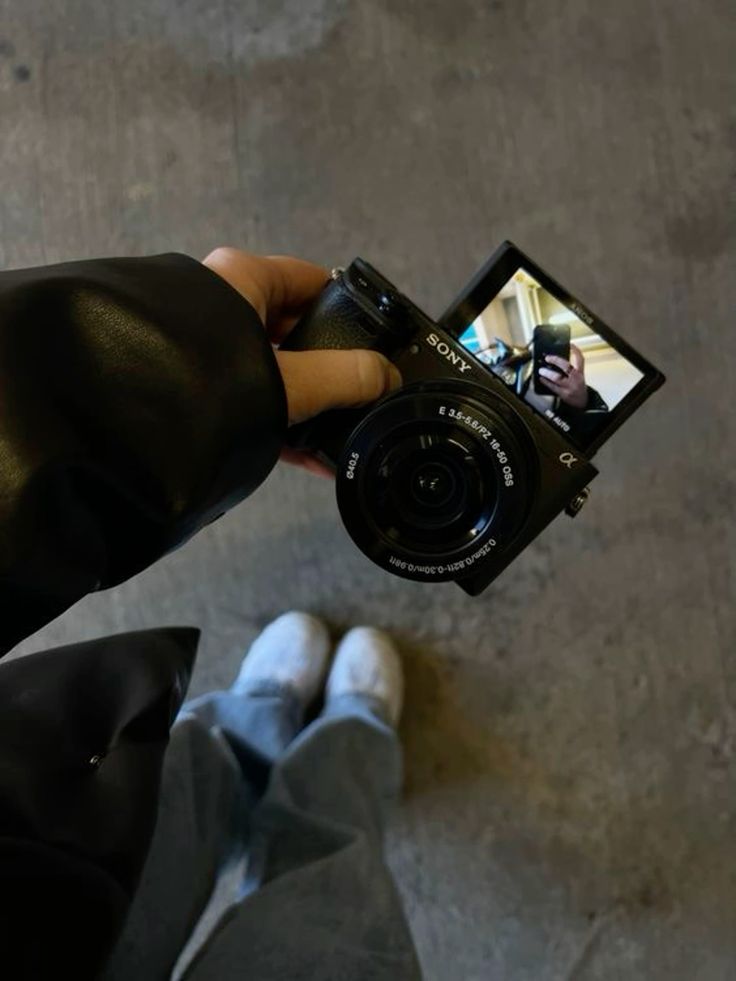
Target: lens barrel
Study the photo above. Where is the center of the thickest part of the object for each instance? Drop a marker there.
(437, 478)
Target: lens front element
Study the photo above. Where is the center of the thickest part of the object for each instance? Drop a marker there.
(430, 493)
(433, 485)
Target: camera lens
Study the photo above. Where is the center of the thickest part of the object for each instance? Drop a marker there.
(433, 485)
(433, 479)
(428, 490)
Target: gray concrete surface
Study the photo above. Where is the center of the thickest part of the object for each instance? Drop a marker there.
(570, 735)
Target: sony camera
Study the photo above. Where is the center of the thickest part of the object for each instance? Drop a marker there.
(488, 439)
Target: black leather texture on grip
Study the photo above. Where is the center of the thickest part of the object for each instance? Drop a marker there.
(336, 321)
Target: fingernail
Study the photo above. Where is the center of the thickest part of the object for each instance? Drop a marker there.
(394, 378)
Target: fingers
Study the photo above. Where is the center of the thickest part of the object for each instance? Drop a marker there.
(293, 283)
(576, 357)
(552, 378)
(565, 366)
(301, 458)
(571, 389)
(244, 272)
(549, 380)
(280, 328)
(319, 380)
(276, 286)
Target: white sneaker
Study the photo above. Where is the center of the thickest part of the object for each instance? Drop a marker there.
(292, 652)
(367, 663)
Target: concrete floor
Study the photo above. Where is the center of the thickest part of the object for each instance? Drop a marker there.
(570, 735)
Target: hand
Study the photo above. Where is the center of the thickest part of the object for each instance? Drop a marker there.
(280, 289)
(571, 386)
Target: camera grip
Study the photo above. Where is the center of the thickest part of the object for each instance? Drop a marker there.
(335, 321)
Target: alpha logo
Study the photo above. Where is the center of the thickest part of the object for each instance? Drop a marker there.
(568, 459)
(447, 352)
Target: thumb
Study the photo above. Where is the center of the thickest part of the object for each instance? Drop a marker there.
(320, 380)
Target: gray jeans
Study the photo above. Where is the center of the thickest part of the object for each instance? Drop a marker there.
(266, 862)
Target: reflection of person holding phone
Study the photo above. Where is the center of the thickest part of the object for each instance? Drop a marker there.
(568, 382)
(549, 374)
(576, 402)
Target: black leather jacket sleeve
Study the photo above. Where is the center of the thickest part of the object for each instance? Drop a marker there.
(139, 399)
(83, 733)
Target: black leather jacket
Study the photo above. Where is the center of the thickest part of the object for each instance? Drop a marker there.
(139, 399)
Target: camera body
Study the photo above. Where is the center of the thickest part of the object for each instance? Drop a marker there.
(450, 477)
